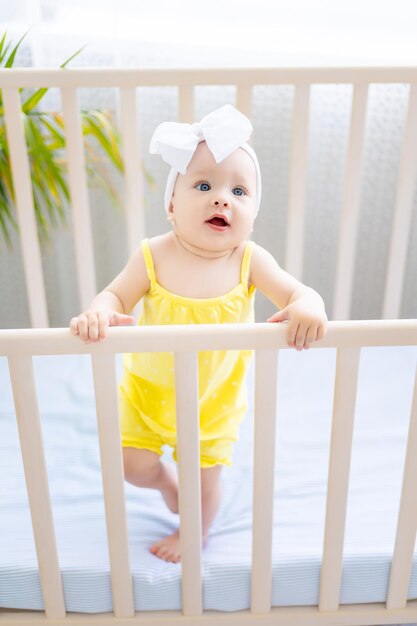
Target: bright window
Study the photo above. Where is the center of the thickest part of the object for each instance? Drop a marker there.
(218, 32)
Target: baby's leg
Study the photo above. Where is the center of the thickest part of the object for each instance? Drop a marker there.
(210, 496)
(168, 548)
(144, 468)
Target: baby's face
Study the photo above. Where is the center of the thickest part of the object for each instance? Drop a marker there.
(213, 206)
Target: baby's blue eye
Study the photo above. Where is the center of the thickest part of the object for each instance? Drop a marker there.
(240, 191)
(204, 186)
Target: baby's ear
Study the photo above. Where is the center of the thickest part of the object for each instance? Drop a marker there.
(170, 214)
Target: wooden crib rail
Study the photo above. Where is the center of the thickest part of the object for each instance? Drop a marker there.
(186, 77)
(185, 341)
(126, 81)
(186, 338)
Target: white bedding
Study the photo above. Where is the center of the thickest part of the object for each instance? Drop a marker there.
(305, 398)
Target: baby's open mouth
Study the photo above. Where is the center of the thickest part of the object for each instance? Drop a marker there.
(218, 221)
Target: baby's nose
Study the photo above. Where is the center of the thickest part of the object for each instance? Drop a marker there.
(221, 203)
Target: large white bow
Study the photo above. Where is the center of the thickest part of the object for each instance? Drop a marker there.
(224, 130)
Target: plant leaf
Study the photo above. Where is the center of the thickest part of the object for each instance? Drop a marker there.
(47, 174)
(3, 225)
(3, 52)
(10, 60)
(46, 143)
(4, 195)
(54, 131)
(72, 57)
(108, 143)
(6, 175)
(33, 100)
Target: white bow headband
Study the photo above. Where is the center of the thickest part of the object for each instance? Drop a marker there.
(224, 130)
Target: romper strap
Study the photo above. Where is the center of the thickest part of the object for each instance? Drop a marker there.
(244, 274)
(147, 255)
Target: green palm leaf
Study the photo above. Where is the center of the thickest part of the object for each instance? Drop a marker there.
(35, 98)
(45, 138)
(3, 52)
(10, 60)
(96, 123)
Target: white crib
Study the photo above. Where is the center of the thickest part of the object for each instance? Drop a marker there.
(347, 336)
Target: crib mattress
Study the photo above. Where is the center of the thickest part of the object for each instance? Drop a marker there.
(305, 398)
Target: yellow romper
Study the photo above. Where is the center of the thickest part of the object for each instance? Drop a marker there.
(147, 389)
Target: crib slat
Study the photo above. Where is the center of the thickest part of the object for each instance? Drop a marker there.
(104, 373)
(266, 368)
(186, 104)
(83, 238)
(350, 206)
(298, 182)
(29, 243)
(402, 560)
(132, 163)
(244, 101)
(188, 451)
(407, 179)
(31, 444)
(347, 367)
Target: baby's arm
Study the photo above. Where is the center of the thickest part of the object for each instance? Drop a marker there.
(302, 306)
(111, 307)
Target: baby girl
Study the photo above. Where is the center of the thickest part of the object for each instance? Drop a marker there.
(204, 270)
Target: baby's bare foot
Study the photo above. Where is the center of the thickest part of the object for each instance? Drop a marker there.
(170, 490)
(168, 549)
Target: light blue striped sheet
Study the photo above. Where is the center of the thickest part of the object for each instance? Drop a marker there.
(305, 398)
